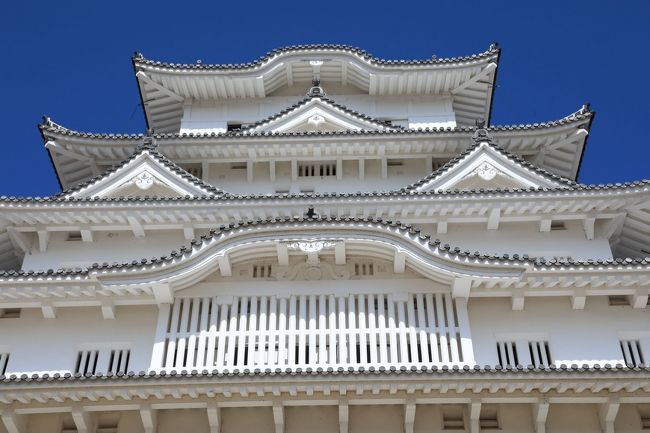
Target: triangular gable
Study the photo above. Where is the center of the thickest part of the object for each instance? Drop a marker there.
(318, 113)
(486, 166)
(145, 173)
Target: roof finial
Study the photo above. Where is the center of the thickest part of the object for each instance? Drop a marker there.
(316, 89)
(586, 108)
(494, 46)
(311, 213)
(149, 141)
(481, 133)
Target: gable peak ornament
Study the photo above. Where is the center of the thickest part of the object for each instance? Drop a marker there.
(316, 120)
(486, 171)
(144, 180)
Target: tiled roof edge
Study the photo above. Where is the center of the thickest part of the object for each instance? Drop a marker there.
(474, 370)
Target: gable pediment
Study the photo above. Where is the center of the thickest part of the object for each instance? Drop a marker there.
(146, 173)
(487, 167)
(318, 114)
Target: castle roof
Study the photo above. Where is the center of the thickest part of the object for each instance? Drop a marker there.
(556, 145)
(165, 86)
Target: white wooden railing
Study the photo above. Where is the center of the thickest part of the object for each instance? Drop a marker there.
(312, 331)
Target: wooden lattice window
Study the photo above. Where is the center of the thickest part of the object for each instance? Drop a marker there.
(317, 169)
(262, 271)
(4, 361)
(86, 362)
(94, 361)
(538, 353)
(632, 354)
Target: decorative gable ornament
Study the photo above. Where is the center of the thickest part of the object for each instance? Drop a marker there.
(144, 180)
(486, 171)
(310, 246)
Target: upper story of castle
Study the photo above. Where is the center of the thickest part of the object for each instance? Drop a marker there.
(317, 118)
(334, 131)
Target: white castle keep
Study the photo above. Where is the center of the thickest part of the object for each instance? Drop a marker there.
(324, 241)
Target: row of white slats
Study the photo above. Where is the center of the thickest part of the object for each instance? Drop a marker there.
(303, 330)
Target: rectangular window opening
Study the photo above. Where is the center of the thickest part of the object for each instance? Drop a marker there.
(10, 313)
(489, 419)
(452, 418)
(558, 225)
(618, 300)
(632, 354)
(74, 237)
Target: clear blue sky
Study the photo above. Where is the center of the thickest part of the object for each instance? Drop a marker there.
(71, 61)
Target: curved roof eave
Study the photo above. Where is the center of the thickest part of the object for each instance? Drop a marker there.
(56, 130)
(354, 53)
(457, 261)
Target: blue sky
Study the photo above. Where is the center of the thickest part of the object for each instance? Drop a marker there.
(71, 61)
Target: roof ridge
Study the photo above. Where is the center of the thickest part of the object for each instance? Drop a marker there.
(493, 50)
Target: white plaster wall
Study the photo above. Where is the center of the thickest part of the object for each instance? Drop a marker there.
(524, 238)
(575, 336)
(312, 419)
(573, 418)
(182, 420)
(247, 420)
(235, 180)
(43, 345)
(119, 246)
(376, 419)
(420, 112)
(513, 418)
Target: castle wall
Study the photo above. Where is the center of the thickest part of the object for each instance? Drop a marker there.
(412, 111)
